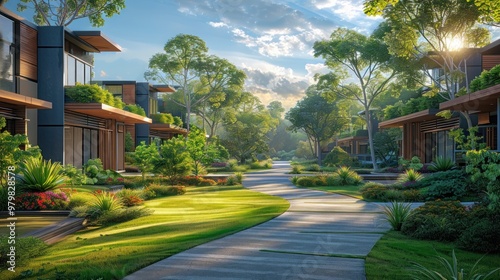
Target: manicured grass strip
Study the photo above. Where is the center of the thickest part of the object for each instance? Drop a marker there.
(177, 224)
(352, 191)
(392, 257)
(343, 232)
(339, 212)
(314, 254)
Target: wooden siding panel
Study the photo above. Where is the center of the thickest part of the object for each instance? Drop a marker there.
(129, 94)
(28, 52)
(490, 61)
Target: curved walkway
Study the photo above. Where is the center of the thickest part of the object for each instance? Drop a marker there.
(321, 236)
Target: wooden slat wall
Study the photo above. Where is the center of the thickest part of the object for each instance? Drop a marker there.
(490, 61)
(28, 53)
(129, 94)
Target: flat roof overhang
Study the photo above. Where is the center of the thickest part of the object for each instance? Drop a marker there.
(352, 138)
(477, 102)
(107, 112)
(96, 39)
(29, 102)
(168, 128)
(425, 115)
(161, 88)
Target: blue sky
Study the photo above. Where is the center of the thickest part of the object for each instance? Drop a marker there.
(271, 40)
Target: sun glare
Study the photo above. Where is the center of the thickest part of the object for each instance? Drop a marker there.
(454, 43)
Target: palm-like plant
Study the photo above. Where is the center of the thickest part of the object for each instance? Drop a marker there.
(452, 271)
(410, 175)
(442, 164)
(103, 202)
(396, 213)
(345, 176)
(38, 175)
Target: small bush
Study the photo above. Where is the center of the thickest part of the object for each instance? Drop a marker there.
(411, 195)
(130, 197)
(337, 157)
(296, 169)
(449, 185)
(232, 180)
(482, 232)
(239, 177)
(294, 179)
(147, 193)
(306, 181)
(162, 191)
(75, 176)
(27, 248)
(123, 215)
(373, 191)
(313, 167)
(436, 220)
(442, 164)
(345, 176)
(42, 201)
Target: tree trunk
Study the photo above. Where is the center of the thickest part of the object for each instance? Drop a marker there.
(370, 138)
(318, 151)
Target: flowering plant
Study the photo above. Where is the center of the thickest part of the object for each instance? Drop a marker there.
(42, 201)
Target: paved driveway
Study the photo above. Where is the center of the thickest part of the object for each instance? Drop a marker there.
(321, 236)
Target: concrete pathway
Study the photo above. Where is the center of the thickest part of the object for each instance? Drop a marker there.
(321, 236)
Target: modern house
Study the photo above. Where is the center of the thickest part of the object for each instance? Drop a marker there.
(147, 96)
(427, 136)
(38, 63)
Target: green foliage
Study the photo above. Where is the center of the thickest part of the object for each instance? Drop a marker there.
(412, 105)
(79, 199)
(122, 215)
(296, 169)
(442, 164)
(178, 121)
(483, 229)
(337, 157)
(396, 214)
(129, 143)
(484, 167)
(312, 167)
(41, 201)
(307, 181)
(145, 157)
(62, 13)
(10, 152)
(100, 204)
(174, 160)
(74, 176)
(386, 145)
(450, 270)
(165, 118)
(436, 220)
(38, 175)
(130, 197)
(486, 79)
(161, 191)
(410, 175)
(373, 191)
(344, 176)
(448, 185)
(469, 141)
(90, 93)
(414, 163)
(135, 108)
(27, 248)
(92, 168)
(239, 177)
(203, 153)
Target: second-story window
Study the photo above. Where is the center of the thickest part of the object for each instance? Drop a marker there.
(77, 71)
(116, 90)
(6, 54)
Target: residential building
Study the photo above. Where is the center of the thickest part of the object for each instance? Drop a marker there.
(38, 63)
(427, 136)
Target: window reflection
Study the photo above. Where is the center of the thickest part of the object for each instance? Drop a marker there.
(6, 54)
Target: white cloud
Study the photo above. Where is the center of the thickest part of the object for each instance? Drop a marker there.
(102, 74)
(217, 24)
(313, 69)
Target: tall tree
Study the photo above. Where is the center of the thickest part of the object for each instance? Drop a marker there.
(318, 118)
(202, 78)
(367, 59)
(246, 128)
(437, 31)
(64, 12)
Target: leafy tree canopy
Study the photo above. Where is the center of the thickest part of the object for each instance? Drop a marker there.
(63, 13)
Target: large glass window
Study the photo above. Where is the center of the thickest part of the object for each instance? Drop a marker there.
(116, 90)
(77, 71)
(7, 49)
(81, 144)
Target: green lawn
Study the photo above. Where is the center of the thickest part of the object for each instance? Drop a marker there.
(392, 257)
(178, 223)
(352, 191)
(25, 224)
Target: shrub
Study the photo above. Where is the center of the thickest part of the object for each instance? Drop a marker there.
(162, 118)
(411, 195)
(442, 164)
(42, 201)
(337, 157)
(38, 175)
(436, 220)
(27, 248)
(135, 108)
(313, 167)
(123, 215)
(306, 181)
(147, 193)
(396, 213)
(345, 176)
(232, 180)
(74, 175)
(162, 191)
(79, 199)
(239, 177)
(482, 232)
(486, 79)
(90, 93)
(450, 185)
(410, 175)
(414, 163)
(92, 168)
(373, 191)
(103, 202)
(130, 197)
(294, 179)
(296, 169)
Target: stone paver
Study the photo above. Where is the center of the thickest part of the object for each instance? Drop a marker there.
(321, 236)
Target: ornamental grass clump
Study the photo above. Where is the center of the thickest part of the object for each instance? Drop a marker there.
(396, 214)
(410, 176)
(38, 175)
(345, 176)
(442, 164)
